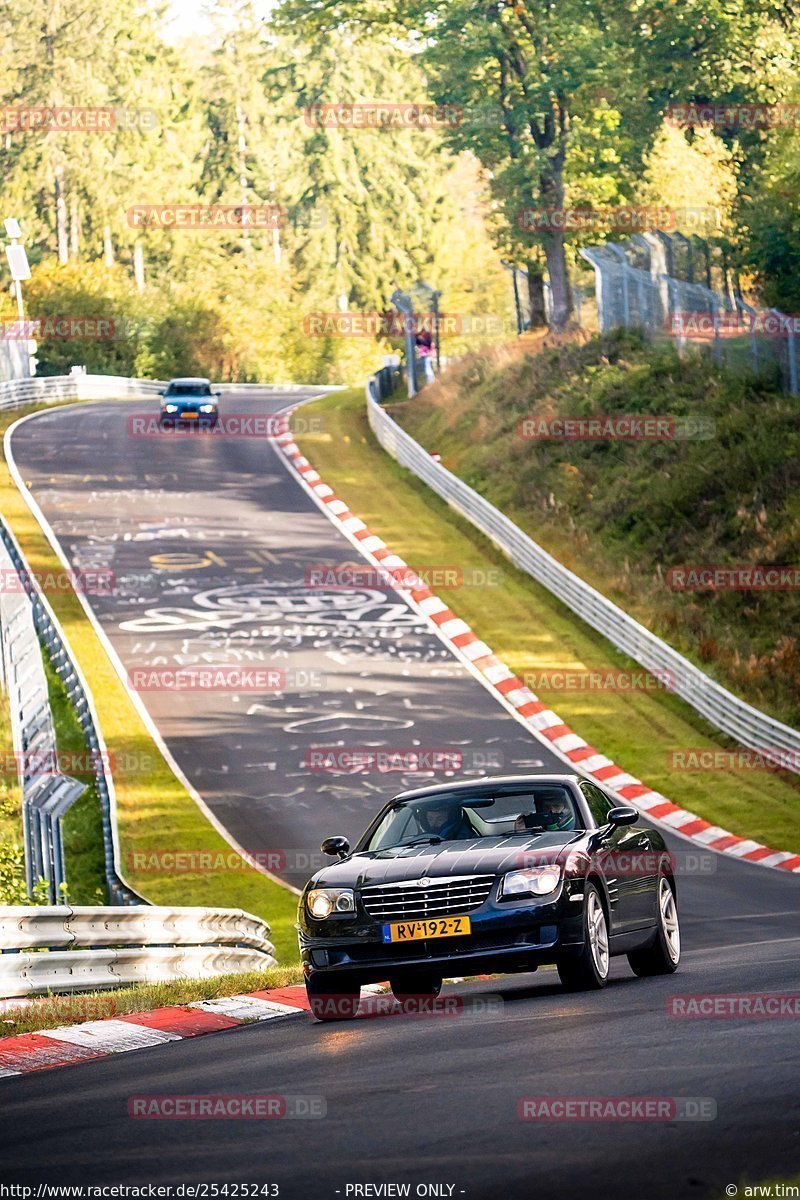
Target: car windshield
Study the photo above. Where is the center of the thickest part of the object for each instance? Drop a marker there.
(189, 389)
(451, 817)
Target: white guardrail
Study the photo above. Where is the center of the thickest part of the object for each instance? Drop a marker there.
(49, 389)
(747, 725)
(47, 793)
(26, 616)
(64, 949)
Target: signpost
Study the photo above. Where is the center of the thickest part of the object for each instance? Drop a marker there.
(20, 271)
(17, 261)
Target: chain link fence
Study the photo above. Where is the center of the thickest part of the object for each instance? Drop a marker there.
(679, 288)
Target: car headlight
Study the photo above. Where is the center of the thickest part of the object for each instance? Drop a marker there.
(207, 407)
(535, 881)
(322, 902)
(170, 408)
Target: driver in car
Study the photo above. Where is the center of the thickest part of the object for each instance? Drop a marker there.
(447, 821)
(557, 813)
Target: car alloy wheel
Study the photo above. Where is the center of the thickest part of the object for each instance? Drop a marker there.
(597, 932)
(668, 915)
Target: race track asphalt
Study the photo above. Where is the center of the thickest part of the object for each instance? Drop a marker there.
(410, 1100)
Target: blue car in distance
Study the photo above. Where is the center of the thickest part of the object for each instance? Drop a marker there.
(191, 402)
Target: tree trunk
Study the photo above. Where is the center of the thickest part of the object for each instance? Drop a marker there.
(108, 246)
(61, 217)
(536, 296)
(138, 266)
(74, 228)
(552, 191)
(560, 290)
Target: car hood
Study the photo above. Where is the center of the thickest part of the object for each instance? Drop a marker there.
(484, 856)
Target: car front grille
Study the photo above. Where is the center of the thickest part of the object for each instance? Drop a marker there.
(436, 898)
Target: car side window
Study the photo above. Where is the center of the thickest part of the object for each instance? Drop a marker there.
(598, 802)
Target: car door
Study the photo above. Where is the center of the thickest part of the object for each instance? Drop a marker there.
(624, 857)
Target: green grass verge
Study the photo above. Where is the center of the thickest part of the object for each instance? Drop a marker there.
(622, 514)
(47, 1012)
(533, 632)
(82, 825)
(155, 813)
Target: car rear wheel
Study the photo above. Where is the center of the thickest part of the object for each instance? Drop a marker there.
(331, 997)
(409, 989)
(588, 969)
(663, 956)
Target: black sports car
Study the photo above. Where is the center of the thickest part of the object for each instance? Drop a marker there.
(491, 875)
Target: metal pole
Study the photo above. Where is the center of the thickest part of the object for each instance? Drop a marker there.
(436, 296)
(402, 303)
(792, 348)
(517, 304)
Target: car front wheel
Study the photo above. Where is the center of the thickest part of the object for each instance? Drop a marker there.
(332, 998)
(663, 956)
(588, 969)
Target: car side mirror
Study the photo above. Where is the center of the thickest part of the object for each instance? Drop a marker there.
(624, 815)
(161, 391)
(218, 394)
(338, 846)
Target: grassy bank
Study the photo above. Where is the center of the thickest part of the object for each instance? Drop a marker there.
(156, 814)
(535, 634)
(623, 514)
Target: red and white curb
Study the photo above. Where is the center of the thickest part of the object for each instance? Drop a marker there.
(72, 1044)
(545, 725)
(69, 1045)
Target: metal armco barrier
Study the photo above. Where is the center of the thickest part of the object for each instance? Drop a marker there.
(749, 726)
(49, 389)
(88, 948)
(32, 723)
(47, 794)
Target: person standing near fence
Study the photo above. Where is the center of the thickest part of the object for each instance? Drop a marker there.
(424, 344)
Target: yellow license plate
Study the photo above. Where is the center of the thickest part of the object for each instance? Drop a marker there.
(414, 931)
(190, 416)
